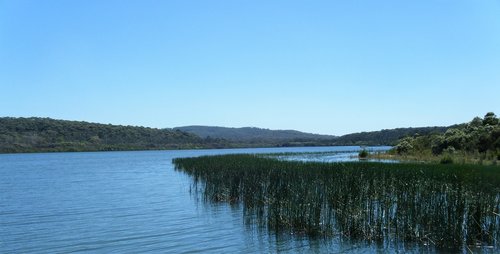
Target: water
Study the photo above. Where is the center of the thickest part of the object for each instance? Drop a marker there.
(128, 202)
(344, 155)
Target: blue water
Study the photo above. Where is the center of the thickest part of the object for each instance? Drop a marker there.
(343, 155)
(129, 202)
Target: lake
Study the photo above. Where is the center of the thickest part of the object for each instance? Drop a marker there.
(128, 202)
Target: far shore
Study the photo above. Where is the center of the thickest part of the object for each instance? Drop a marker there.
(447, 158)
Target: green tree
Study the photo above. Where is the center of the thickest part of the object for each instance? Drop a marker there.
(490, 119)
(405, 146)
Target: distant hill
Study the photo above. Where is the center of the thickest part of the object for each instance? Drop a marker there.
(249, 134)
(49, 135)
(294, 138)
(385, 137)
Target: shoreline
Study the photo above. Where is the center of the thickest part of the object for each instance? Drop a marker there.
(176, 149)
(438, 159)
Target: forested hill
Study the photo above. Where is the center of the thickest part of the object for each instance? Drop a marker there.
(247, 134)
(385, 137)
(477, 139)
(49, 135)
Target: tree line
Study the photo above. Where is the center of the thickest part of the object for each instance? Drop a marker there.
(479, 137)
(36, 134)
(49, 135)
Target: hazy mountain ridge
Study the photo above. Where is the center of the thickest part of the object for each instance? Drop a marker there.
(386, 136)
(250, 133)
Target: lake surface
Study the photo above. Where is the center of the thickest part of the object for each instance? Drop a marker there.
(129, 202)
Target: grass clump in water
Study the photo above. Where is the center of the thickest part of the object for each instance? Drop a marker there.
(363, 154)
(448, 206)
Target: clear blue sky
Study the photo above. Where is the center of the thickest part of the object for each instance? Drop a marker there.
(331, 67)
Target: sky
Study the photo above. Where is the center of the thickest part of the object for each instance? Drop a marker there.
(329, 67)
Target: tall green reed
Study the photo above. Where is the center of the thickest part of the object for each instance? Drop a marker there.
(443, 205)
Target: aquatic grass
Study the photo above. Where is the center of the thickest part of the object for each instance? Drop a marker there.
(448, 206)
(363, 154)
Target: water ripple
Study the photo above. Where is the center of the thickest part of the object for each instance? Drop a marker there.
(121, 202)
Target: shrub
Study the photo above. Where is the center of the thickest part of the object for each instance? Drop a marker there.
(405, 145)
(363, 154)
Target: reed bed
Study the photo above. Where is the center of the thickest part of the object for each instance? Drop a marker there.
(448, 206)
